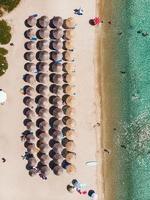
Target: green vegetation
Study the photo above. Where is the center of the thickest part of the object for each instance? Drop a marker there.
(9, 5)
(3, 65)
(5, 35)
(3, 51)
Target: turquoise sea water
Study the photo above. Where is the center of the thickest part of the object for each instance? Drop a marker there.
(132, 68)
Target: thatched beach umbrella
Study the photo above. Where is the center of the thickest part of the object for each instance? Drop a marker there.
(44, 148)
(56, 89)
(57, 45)
(68, 56)
(42, 67)
(29, 78)
(57, 21)
(31, 147)
(30, 67)
(69, 23)
(29, 113)
(44, 158)
(30, 33)
(68, 44)
(55, 78)
(56, 56)
(68, 78)
(28, 101)
(69, 34)
(43, 21)
(70, 156)
(32, 172)
(45, 170)
(30, 137)
(56, 67)
(57, 148)
(70, 146)
(69, 122)
(29, 56)
(32, 162)
(29, 90)
(57, 158)
(68, 89)
(69, 134)
(68, 67)
(30, 45)
(68, 111)
(43, 125)
(42, 44)
(43, 33)
(69, 100)
(42, 77)
(42, 101)
(58, 170)
(29, 124)
(42, 135)
(55, 133)
(57, 33)
(31, 21)
(70, 169)
(56, 112)
(57, 124)
(42, 55)
(42, 112)
(56, 100)
(42, 89)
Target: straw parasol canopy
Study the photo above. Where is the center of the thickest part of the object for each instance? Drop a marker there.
(30, 137)
(56, 89)
(32, 172)
(44, 148)
(42, 67)
(57, 124)
(56, 67)
(56, 112)
(42, 44)
(69, 111)
(68, 44)
(42, 89)
(42, 112)
(68, 56)
(70, 156)
(56, 56)
(58, 170)
(70, 169)
(68, 78)
(30, 33)
(70, 145)
(69, 134)
(69, 23)
(30, 45)
(42, 77)
(3, 96)
(43, 21)
(56, 100)
(43, 33)
(55, 133)
(57, 158)
(44, 158)
(57, 33)
(42, 55)
(29, 113)
(68, 67)
(29, 56)
(29, 78)
(69, 100)
(31, 147)
(28, 101)
(31, 21)
(69, 122)
(45, 170)
(30, 67)
(28, 90)
(57, 45)
(43, 125)
(69, 34)
(68, 89)
(42, 135)
(32, 162)
(42, 101)
(29, 124)
(55, 78)
(57, 148)
(57, 21)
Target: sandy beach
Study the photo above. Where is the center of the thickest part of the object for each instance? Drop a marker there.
(15, 182)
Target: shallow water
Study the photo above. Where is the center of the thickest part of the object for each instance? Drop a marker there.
(131, 68)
